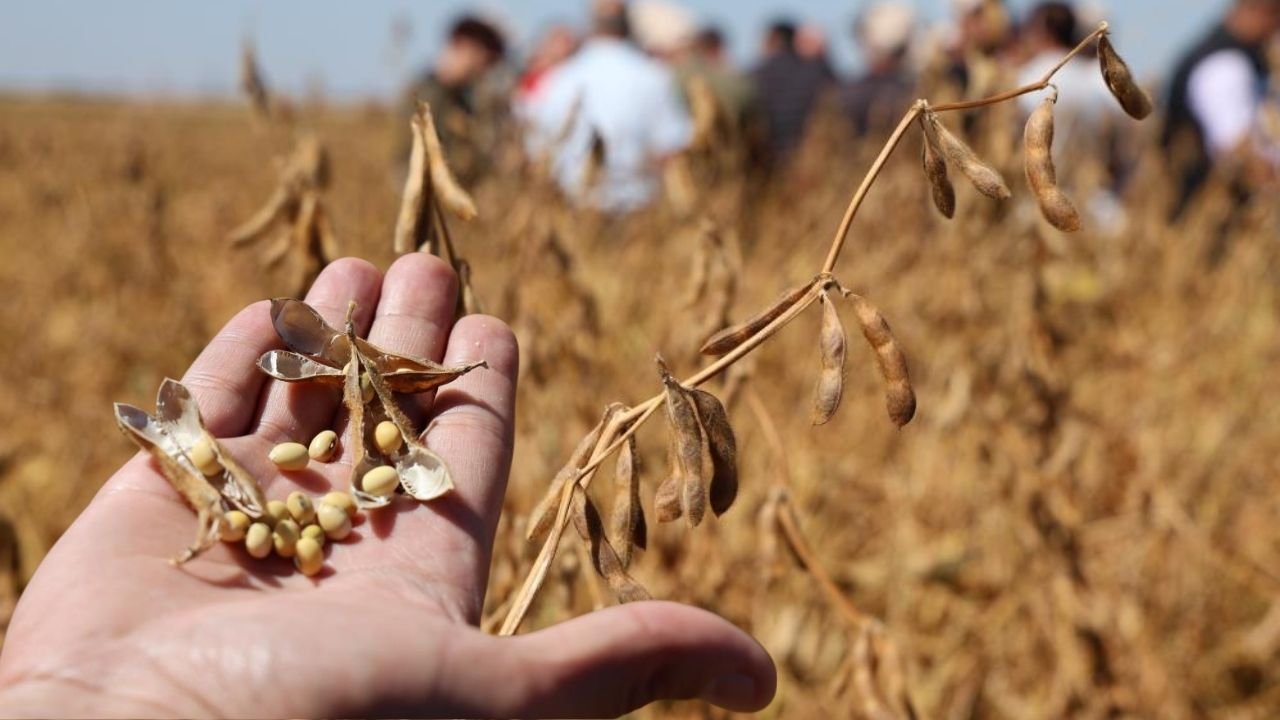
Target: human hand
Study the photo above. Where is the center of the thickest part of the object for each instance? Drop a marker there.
(108, 627)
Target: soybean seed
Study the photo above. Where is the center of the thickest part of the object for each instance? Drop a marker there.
(380, 481)
(237, 524)
(300, 507)
(257, 540)
(203, 457)
(334, 521)
(387, 437)
(285, 538)
(323, 446)
(308, 557)
(366, 387)
(314, 532)
(276, 511)
(289, 456)
(339, 499)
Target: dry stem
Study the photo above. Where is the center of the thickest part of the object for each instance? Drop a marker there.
(626, 424)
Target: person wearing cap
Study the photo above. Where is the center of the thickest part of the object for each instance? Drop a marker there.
(472, 49)
(613, 99)
(875, 100)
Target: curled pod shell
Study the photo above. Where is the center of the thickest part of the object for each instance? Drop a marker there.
(1055, 206)
(1119, 80)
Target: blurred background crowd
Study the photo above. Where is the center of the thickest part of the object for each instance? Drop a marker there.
(624, 84)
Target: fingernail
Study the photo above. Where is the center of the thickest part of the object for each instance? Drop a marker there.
(733, 691)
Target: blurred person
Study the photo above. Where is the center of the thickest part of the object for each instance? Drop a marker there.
(613, 93)
(108, 628)
(811, 44)
(472, 49)
(876, 99)
(788, 87)
(1214, 102)
(669, 32)
(556, 45)
(1049, 32)
(983, 34)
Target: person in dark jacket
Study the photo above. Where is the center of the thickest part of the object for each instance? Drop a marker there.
(874, 101)
(787, 90)
(1214, 99)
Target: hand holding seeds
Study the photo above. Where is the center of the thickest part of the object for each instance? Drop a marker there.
(371, 616)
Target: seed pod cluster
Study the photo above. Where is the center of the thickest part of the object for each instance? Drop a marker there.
(899, 397)
(985, 178)
(831, 347)
(1119, 80)
(935, 169)
(390, 457)
(1055, 206)
(701, 450)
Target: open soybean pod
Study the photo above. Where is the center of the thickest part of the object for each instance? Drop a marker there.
(935, 169)
(1115, 72)
(831, 347)
(985, 178)
(731, 337)
(1056, 207)
(899, 396)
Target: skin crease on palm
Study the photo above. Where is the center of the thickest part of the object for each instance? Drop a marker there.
(108, 627)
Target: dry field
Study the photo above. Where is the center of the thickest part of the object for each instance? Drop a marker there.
(1080, 521)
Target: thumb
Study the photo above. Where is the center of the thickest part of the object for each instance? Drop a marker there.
(613, 661)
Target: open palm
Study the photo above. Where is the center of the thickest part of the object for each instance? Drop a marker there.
(108, 627)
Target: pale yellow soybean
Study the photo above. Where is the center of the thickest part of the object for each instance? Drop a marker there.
(308, 556)
(300, 507)
(366, 387)
(203, 457)
(315, 532)
(235, 527)
(289, 456)
(339, 499)
(380, 481)
(257, 540)
(333, 520)
(285, 538)
(387, 437)
(277, 510)
(323, 446)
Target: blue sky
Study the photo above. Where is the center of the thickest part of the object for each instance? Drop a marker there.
(182, 47)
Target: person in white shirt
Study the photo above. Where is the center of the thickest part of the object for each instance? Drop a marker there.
(1214, 99)
(613, 96)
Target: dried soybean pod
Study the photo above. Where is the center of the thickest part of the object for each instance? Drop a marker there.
(731, 337)
(831, 345)
(586, 520)
(1115, 72)
(1041, 177)
(411, 201)
(935, 169)
(545, 512)
(444, 187)
(899, 397)
(628, 514)
(692, 451)
(666, 502)
(724, 449)
(984, 177)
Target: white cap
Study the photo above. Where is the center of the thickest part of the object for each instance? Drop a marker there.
(886, 27)
(660, 26)
(964, 7)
